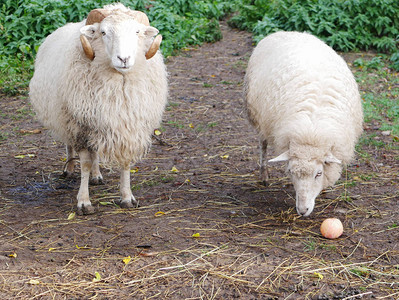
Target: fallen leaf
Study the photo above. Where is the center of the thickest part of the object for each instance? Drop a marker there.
(83, 247)
(97, 278)
(134, 170)
(174, 169)
(318, 275)
(196, 235)
(23, 156)
(159, 213)
(34, 281)
(71, 216)
(157, 132)
(13, 255)
(126, 260)
(51, 249)
(191, 125)
(225, 156)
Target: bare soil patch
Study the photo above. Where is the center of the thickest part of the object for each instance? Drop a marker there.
(207, 228)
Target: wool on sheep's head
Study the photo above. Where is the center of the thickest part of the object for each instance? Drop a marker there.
(311, 169)
(105, 21)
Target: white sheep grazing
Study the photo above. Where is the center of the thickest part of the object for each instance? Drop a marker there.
(303, 100)
(100, 86)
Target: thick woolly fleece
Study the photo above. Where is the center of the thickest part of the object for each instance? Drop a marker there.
(89, 105)
(301, 96)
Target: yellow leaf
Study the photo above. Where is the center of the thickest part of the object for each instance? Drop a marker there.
(318, 275)
(191, 125)
(135, 170)
(159, 213)
(13, 255)
(51, 249)
(174, 169)
(157, 132)
(34, 281)
(83, 247)
(97, 278)
(196, 235)
(23, 156)
(71, 216)
(126, 260)
(225, 156)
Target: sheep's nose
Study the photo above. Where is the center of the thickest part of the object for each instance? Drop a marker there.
(124, 60)
(302, 211)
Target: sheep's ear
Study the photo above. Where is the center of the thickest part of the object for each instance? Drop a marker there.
(332, 159)
(282, 157)
(89, 30)
(150, 31)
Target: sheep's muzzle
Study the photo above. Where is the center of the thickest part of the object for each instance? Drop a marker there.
(99, 14)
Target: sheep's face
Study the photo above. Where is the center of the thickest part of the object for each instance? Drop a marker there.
(123, 39)
(308, 176)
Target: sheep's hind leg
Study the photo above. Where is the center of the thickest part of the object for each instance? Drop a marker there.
(96, 177)
(264, 174)
(70, 162)
(127, 199)
(84, 206)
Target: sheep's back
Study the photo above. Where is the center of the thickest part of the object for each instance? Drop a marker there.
(51, 66)
(295, 83)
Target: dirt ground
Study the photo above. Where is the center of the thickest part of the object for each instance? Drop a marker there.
(206, 228)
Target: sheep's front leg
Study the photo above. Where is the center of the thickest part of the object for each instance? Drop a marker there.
(70, 161)
(127, 199)
(84, 204)
(264, 174)
(96, 177)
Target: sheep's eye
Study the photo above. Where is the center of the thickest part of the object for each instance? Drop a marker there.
(318, 174)
(138, 31)
(103, 32)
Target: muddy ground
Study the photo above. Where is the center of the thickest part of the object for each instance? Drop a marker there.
(206, 228)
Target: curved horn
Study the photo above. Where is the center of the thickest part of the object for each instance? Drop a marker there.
(94, 16)
(143, 19)
(139, 17)
(97, 15)
(88, 50)
(154, 47)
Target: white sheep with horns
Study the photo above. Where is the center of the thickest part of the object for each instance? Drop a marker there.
(100, 86)
(303, 100)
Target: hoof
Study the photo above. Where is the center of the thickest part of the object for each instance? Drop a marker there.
(67, 175)
(85, 210)
(130, 203)
(96, 181)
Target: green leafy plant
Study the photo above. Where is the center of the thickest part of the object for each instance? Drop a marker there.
(344, 25)
(25, 23)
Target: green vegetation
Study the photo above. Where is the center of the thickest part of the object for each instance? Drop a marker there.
(344, 25)
(25, 23)
(379, 85)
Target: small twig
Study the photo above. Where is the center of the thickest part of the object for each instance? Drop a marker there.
(357, 295)
(190, 262)
(354, 249)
